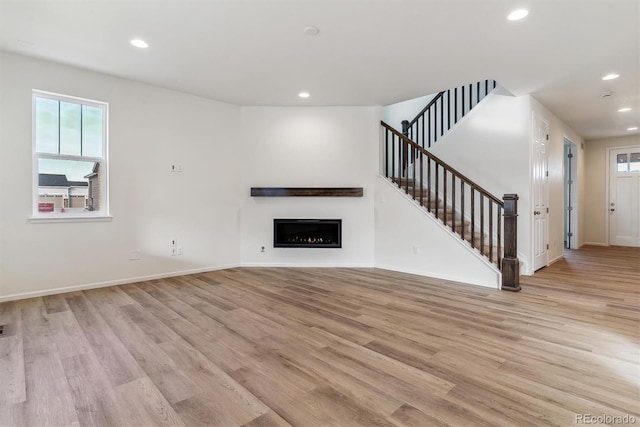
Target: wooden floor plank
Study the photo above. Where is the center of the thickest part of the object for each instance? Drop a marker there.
(329, 347)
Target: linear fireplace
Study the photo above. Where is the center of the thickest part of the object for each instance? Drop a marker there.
(307, 233)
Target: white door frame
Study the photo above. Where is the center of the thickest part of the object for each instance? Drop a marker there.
(607, 196)
(575, 200)
(535, 115)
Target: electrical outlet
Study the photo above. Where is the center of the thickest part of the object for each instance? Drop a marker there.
(180, 250)
(135, 255)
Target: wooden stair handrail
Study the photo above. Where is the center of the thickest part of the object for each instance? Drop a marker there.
(424, 110)
(443, 164)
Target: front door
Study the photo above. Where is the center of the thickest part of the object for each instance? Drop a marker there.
(540, 192)
(624, 196)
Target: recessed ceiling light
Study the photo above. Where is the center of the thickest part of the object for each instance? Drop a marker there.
(139, 43)
(611, 76)
(623, 110)
(517, 15)
(311, 31)
(304, 94)
(633, 128)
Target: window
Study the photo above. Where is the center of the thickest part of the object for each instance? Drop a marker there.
(69, 157)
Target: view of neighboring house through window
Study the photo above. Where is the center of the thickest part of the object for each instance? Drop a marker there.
(70, 161)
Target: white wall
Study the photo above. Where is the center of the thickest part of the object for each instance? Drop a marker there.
(308, 147)
(395, 114)
(150, 128)
(409, 239)
(494, 140)
(595, 201)
(558, 131)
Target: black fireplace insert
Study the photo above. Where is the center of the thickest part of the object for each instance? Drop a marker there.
(307, 233)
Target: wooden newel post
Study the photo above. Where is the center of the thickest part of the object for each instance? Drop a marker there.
(510, 263)
(405, 147)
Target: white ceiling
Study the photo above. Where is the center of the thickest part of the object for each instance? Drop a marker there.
(368, 52)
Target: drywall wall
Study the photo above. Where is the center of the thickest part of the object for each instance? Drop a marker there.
(149, 129)
(490, 145)
(558, 131)
(595, 201)
(308, 147)
(411, 240)
(395, 114)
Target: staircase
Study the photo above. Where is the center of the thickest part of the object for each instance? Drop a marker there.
(486, 222)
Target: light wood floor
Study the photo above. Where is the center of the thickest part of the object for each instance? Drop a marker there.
(324, 347)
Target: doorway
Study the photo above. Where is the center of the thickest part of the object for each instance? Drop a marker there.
(623, 208)
(540, 193)
(570, 195)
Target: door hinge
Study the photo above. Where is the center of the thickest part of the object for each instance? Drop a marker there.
(570, 234)
(570, 155)
(547, 173)
(570, 182)
(547, 210)
(547, 137)
(547, 246)
(570, 208)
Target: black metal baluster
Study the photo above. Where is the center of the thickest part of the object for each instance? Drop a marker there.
(448, 109)
(453, 202)
(413, 162)
(429, 128)
(473, 218)
(429, 184)
(499, 260)
(444, 196)
(462, 207)
(386, 152)
(482, 223)
(441, 115)
(455, 105)
(405, 152)
(490, 230)
(421, 179)
(462, 102)
(437, 190)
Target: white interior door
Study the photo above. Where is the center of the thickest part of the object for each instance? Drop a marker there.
(540, 193)
(624, 196)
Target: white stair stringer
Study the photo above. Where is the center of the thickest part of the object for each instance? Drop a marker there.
(412, 240)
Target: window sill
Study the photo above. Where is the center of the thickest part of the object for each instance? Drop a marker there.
(69, 218)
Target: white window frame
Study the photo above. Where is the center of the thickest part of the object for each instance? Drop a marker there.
(104, 212)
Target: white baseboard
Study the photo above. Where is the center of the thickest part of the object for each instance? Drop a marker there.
(34, 294)
(592, 244)
(556, 259)
(444, 277)
(306, 265)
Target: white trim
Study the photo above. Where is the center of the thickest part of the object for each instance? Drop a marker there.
(69, 218)
(607, 191)
(443, 277)
(103, 161)
(556, 259)
(305, 265)
(435, 220)
(532, 136)
(593, 244)
(66, 289)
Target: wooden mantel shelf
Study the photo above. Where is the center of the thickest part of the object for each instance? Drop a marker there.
(306, 192)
